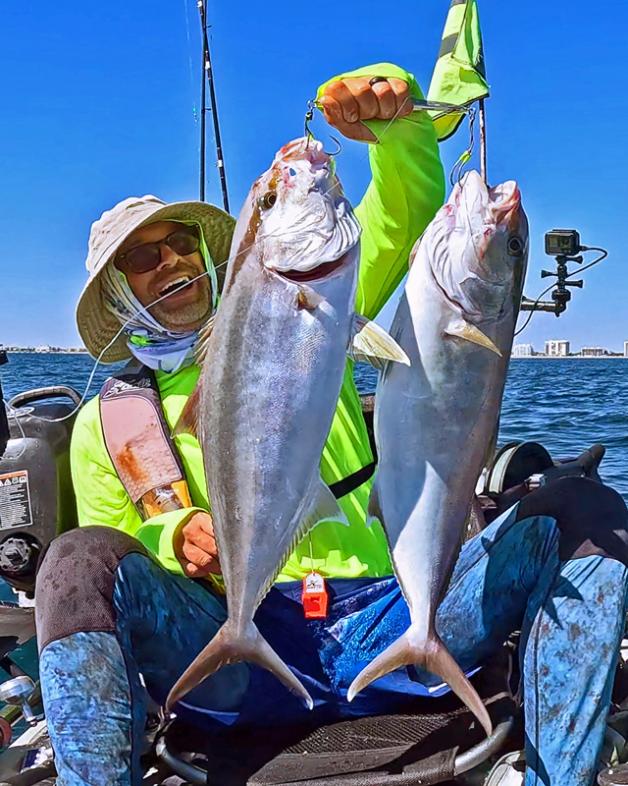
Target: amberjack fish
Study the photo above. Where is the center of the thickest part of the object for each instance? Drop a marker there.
(434, 419)
(272, 370)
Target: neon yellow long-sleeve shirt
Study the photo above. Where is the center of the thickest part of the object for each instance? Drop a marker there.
(406, 189)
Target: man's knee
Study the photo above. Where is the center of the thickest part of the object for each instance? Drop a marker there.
(76, 579)
(592, 518)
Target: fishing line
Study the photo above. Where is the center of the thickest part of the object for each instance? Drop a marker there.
(532, 310)
(98, 360)
(190, 65)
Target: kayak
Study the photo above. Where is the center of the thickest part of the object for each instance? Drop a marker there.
(39, 504)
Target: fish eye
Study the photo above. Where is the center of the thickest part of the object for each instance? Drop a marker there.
(515, 246)
(268, 200)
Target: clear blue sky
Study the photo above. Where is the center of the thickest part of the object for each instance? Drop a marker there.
(98, 104)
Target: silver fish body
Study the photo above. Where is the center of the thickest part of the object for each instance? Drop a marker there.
(434, 420)
(269, 385)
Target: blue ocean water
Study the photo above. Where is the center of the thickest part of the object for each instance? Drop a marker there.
(565, 404)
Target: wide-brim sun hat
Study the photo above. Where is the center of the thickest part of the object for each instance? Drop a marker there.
(97, 326)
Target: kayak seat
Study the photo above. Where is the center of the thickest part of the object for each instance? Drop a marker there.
(430, 740)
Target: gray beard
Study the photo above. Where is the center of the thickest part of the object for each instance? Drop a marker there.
(186, 316)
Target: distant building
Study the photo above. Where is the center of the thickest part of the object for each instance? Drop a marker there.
(525, 350)
(557, 348)
(626, 349)
(593, 352)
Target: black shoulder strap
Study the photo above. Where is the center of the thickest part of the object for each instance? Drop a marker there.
(353, 481)
(356, 479)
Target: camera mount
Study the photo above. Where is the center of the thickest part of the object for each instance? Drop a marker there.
(564, 245)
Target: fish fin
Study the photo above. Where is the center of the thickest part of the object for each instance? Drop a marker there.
(319, 505)
(231, 645)
(188, 419)
(307, 298)
(467, 331)
(374, 508)
(200, 350)
(370, 343)
(323, 506)
(432, 655)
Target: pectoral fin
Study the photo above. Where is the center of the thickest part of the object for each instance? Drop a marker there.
(374, 511)
(188, 420)
(322, 506)
(308, 298)
(469, 332)
(205, 332)
(372, 344)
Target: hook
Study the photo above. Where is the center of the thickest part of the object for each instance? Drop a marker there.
(309, 115)
(308, 133)
(338, 145)
(457, 170)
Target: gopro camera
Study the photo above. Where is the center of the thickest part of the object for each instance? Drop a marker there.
(562, 242)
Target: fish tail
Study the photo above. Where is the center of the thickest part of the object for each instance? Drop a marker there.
(431, 655)
(233, 645)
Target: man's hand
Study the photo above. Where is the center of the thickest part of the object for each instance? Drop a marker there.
(195, 546)
(346, 102)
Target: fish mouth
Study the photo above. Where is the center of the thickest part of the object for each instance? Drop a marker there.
(305, 149)
(506, 204)
(322, 271)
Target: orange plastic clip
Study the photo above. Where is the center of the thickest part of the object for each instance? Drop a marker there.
(314, 596)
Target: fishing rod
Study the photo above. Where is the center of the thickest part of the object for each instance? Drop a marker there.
(207, 79)
(4, 422)
(483, 158)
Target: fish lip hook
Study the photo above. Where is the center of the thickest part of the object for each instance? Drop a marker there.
(338, 145)
(309, 115)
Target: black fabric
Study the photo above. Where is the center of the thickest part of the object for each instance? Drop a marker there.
(345, 486)
(592, 518)
(438, 769)
(368, 413)
(352, 482)
(75, 582)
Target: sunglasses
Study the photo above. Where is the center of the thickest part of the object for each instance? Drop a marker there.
(146, 257)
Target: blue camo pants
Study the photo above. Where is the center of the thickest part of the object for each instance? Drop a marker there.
(509, 577)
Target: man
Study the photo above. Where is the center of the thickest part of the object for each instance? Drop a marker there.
(111, 607)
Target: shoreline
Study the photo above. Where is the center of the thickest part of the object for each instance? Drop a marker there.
(70, 351)
(60, 351)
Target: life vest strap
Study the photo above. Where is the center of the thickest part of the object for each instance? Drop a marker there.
(345, 486)
(138, 441)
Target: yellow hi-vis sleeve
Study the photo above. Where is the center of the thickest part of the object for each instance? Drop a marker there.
(406, 190)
